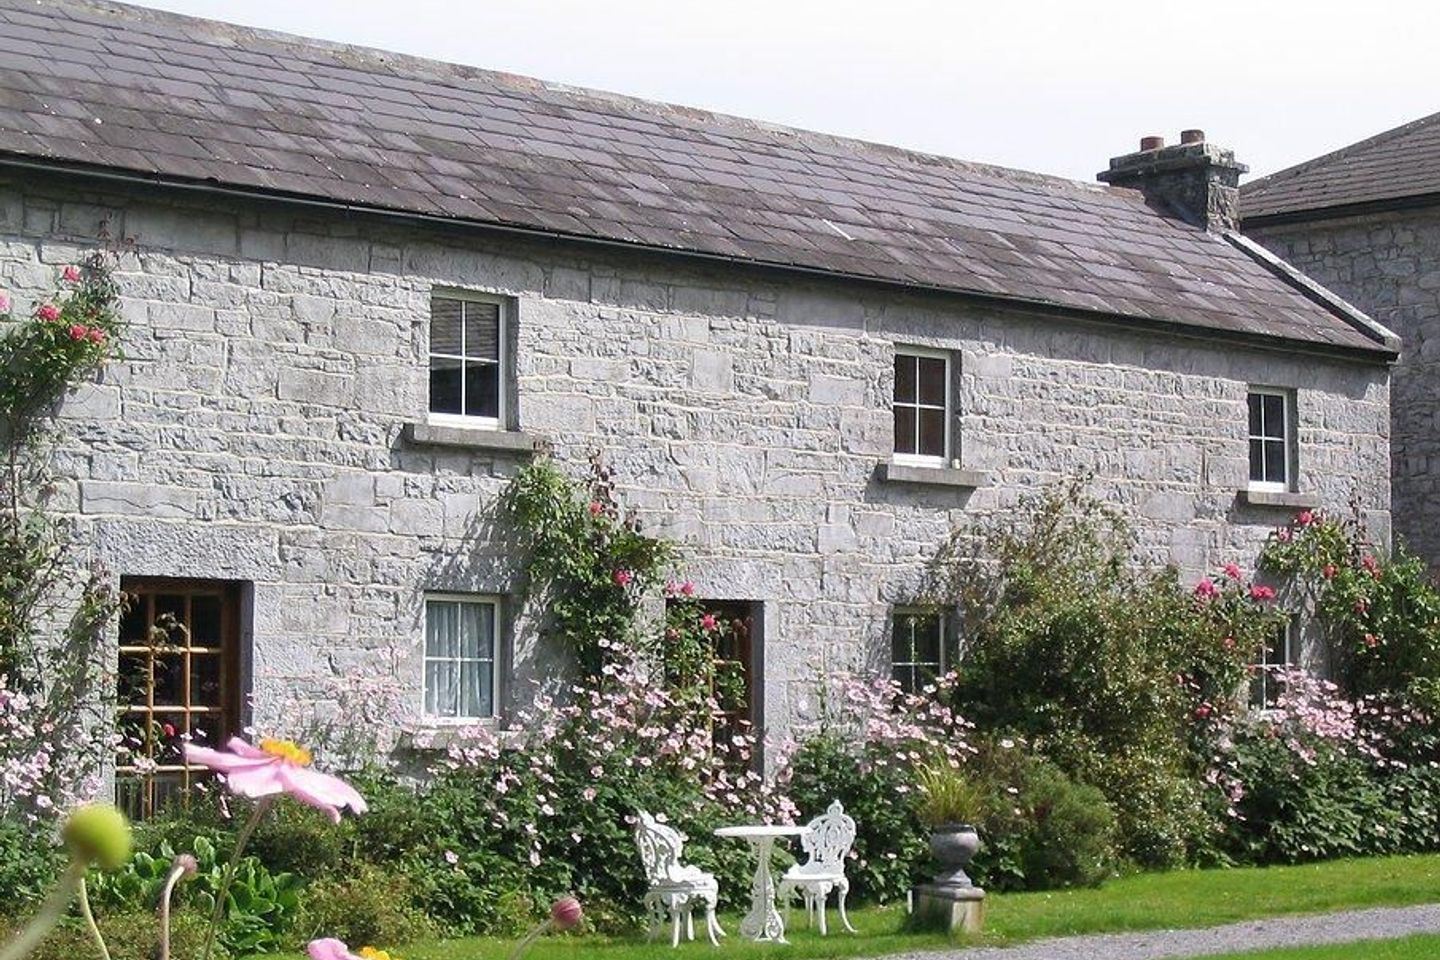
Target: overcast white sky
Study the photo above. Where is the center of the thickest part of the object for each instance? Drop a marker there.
(1043, 85)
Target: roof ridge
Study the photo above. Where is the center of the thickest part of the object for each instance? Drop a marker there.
(1359, 146)
(670, 111)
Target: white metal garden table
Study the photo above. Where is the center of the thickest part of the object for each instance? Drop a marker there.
(763, 923)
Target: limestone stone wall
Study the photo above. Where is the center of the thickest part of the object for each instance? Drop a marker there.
(256, 431)
(1388, 264)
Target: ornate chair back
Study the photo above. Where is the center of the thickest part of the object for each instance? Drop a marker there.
(660, 848)
(828, 838)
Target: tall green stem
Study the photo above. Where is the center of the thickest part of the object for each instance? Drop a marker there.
(175, 874)
(90, 920)
(217, 916)
(50, 913)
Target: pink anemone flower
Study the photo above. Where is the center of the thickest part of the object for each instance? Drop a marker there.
(274, 767)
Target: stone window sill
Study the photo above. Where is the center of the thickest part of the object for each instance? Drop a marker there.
(474, 438)
(932, 476)
(1277, 498)
(432, 734)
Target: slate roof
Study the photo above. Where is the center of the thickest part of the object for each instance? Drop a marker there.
(1398, 164)
(101, 85)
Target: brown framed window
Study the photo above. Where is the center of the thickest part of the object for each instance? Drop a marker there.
(178, 676)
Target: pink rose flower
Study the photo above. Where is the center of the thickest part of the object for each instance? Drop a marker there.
(1202, 711)
(1371, 640)
(276, 767)
(1328, 571)
(707, 622)
(1205, 588)
(78, 331)
(95, 335)
(1228, 643)
(1262, 593)
(688, 588)
(1304, 518)
(565, 913)
(1283, 534)
(596, 508)
(623, 578)
(1232, 570)
(4, 303)
(71, 274)
(1371, 565)
(48, 312)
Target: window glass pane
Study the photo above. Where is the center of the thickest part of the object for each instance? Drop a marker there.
(445, 320)
(486, 646)
(1257, 460)
(904, 676)
(1274, 415)
(932, 381)
(904, 429)
(170, 679)
(905, 390)
(1275, 461)
(445, 386)
(927, 639)
(205, 679)
(469, 705)
(470, 630)
(487, 689)
(134, 677)
(1254, 414)
(132, 623)
(902, 643)
(440, 688)
(482, 331)
(170, 618)
(932, 432)
(205, 621)
(442, 628)
(482, 390)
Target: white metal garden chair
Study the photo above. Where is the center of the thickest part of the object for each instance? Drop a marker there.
(675, 887)
(827, 840)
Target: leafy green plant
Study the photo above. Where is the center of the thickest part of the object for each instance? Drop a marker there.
(947, 796)
(260, 905)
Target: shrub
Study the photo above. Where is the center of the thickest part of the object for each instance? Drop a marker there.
(1382, 613)
(1115, 673)
(1041, 830)
(890, 852)
(29, 863)
(363, 904)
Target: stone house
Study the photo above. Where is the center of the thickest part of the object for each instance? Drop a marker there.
(368, 285)
(1365, 221)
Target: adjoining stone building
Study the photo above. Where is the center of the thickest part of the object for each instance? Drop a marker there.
(1365, 221)
(368, 285)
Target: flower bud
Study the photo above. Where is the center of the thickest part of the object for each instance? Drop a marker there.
(565, 913)
(186, 864)
(98, 833)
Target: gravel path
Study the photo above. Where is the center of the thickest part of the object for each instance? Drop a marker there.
(1341, 927)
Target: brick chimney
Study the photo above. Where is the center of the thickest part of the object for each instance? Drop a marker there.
(1193, 180)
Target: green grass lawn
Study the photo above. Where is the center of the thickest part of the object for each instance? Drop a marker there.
(1185, 898)
(1405, 948)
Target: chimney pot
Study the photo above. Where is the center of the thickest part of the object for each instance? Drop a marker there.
(1195, 181)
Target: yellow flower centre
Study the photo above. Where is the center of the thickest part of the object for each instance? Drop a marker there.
(292, 752)
(370, 953)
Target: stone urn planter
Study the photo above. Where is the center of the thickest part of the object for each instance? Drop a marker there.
(953, 845)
